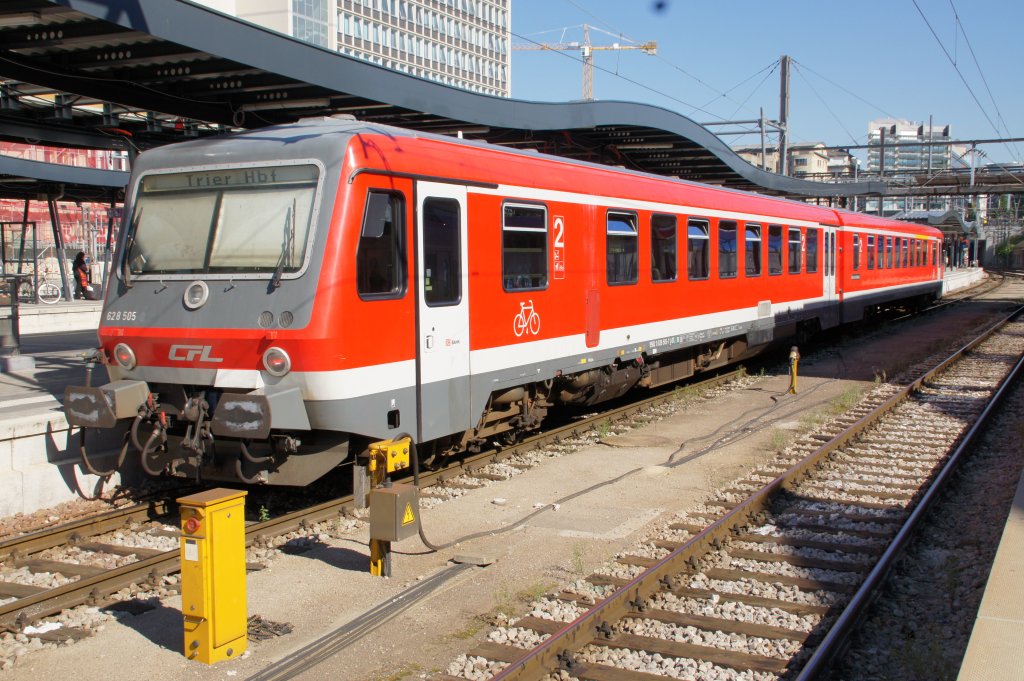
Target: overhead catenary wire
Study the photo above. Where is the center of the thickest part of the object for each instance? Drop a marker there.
(844, 89)
(984, 80)
(770, 71)
(824, 103)
(956, 68)
(619, 75)
(694, 108)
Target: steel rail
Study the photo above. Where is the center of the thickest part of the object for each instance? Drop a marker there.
(844, 625)
(556, 651)
(98, 588)
(85, 527)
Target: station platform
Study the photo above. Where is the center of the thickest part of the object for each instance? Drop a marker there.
(39, 453)
(994, 650)
(38, 457)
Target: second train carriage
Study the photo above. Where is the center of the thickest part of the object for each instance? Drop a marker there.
(285, 296)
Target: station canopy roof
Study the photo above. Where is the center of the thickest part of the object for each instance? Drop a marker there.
(132, 74)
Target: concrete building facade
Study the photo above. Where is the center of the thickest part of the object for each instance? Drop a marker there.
(461, 43)
(908, 159)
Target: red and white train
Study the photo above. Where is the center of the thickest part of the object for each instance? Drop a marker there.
(285, 296)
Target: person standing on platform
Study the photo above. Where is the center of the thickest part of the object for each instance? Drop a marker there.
(83, 289)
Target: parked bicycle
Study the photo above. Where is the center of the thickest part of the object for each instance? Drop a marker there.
(44, 292)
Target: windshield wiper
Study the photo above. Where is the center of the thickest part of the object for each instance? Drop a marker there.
(129, 244)
(286, 247)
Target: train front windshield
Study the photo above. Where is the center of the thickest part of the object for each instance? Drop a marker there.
(232, 221)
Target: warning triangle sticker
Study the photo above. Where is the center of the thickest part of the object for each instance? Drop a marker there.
(408, 516)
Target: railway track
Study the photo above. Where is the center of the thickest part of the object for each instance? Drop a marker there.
(139, 567)
(83, 582)
(768, 580)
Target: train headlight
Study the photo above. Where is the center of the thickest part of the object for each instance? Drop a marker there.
(277, 362)
(196, 295)
(124, 356)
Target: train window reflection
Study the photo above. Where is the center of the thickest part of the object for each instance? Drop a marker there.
(442, 258)
(524, 247)
(752, 256)
(871, 252)
(380, 256)
(621, 244)
(251, 220)
(698, 244)
(795, 245)
(727, 257)
(774, 249)
(663, 248)
(812, 250)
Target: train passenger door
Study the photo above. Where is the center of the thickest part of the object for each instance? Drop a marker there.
(443, 310)
(831, 264)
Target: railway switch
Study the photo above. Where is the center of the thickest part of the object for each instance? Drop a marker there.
(394, 515)
(213, 594)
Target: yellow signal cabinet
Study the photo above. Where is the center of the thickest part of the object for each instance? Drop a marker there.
(213, 596)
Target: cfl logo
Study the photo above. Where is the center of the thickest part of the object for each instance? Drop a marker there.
(192, 353)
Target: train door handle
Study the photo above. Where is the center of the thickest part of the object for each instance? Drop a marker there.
(430, 342)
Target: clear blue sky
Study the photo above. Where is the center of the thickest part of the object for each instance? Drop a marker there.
(854, 61)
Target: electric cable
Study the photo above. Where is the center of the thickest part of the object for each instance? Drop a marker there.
(617, 75)
(825, 104)
(670, 462)
(844, 89)
(981, 72)
(720, 94)
(956, 68)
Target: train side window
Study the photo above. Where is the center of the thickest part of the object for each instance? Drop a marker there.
(752, 253)
(871, 252)
(881, 252)
(524, 247)
(663, 248)
(442, 261)
(906, 251)
(795, 245)
(380, 256)
(812, 250)
(727, 257)
(698, 246)
(935, 254)
(920, 252)
(621, 263)
(888, 252)
(856, 252)
(899, 247)
(774, 249)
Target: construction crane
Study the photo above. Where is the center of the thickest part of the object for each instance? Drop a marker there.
(587, 50)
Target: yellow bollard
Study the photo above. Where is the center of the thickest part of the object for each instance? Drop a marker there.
(794, 360)
(213, 575)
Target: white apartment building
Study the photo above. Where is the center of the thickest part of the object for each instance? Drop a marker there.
(462, 43)
(908, 159)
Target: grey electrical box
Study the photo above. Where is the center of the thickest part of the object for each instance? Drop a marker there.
(394, 512)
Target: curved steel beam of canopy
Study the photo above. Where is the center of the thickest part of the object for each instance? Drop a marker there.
(329, 81)
(22, 178)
